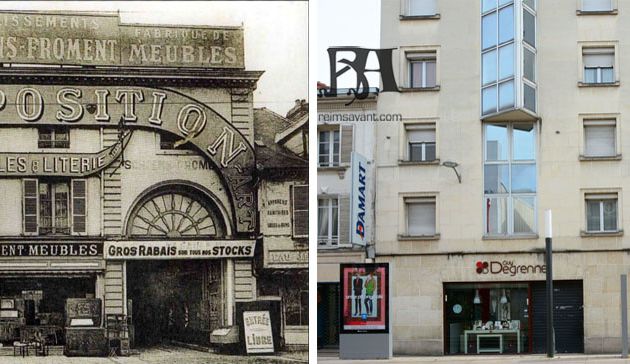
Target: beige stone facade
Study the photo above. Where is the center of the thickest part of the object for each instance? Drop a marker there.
(565, 174)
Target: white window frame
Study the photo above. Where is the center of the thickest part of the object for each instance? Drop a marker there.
(600, 198)
(510, 195)
(613, 7)
(330, 241)
(422, 59)
(332, 162)
(604, 47)
(422, 197)
(407, 54)
(423, 126)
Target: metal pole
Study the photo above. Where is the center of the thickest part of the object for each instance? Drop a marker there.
(549, 296)
(624, 315)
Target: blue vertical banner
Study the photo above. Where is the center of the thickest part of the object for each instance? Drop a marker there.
(358, 200)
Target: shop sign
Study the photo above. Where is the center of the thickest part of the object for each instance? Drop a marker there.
(364, 298)
(508, 267)
(179, 249)
(60, 165)
(100, 39)
(258, 336)
(137, 107)
(280, 257)
(358, 199)
(29, 249)
(276, 216)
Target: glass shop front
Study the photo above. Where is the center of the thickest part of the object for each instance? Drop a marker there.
(509, 317)
(487, 318)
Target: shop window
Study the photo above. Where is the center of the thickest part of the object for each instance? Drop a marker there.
(487, 318)
(329, 148)
(420, 142)
(601, 213)
(599, 65)
(299, 202)
(422, 69)
(510, 179)
(53, 138)
(328, 222)
(420, 216)
(421, 7)
(297, 308)
(600, 138)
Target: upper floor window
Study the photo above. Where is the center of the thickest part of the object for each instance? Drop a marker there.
(329, 142)
(53, 138)
(55, 206)
(420, 213)
(422, 69)
(328, 222)
(421, 7)
(600, 138)
(509, 179)
(299, 203)
(420, 142)
(597, 5)
(599, 65)
(169, 141)
(601, 213)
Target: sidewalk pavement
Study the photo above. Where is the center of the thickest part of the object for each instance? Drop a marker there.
(164, 355)
(485, 359)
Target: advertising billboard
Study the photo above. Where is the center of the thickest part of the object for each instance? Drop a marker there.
(364, 298)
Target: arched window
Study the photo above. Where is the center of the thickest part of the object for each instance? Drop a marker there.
(176, 211)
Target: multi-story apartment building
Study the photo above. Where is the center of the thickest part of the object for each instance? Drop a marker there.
(524, 100)
(341, 130)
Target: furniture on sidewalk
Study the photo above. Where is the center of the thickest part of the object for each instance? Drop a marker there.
(20, 348)
(492, 334)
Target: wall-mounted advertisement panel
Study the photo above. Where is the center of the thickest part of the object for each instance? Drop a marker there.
(364, 298)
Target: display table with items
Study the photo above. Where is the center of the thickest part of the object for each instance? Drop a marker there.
(491, 336)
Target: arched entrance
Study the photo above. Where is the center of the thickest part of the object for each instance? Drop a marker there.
(175, 300)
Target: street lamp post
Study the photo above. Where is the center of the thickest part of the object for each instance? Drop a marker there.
(551, 347)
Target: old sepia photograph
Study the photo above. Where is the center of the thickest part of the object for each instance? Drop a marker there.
(154, 182)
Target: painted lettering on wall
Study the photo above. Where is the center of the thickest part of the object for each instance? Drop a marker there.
(50, 249)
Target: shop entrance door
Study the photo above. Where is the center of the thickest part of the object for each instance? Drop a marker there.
(328, 315)
(568, 317)
(174, 301)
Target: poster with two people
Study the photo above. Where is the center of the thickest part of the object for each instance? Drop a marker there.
(364, 297)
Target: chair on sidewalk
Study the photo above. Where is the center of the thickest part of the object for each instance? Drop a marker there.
(20, 348)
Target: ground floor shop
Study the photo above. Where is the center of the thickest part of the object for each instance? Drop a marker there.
(481, 304)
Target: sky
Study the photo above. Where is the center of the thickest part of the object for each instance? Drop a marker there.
(347, 23)
(276, 35)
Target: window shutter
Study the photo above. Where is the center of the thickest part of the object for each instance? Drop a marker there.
(299, 200)
(596, 5)
(421, 217)
(344, 219)
(600, 140)
(30, 218)
(422, 7)
(599, 57)
(79, 208)
(346, 144)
